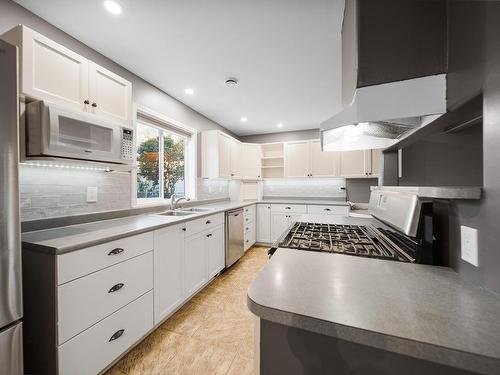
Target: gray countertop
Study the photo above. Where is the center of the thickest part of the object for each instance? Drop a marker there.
(422, 311)
(74, 237)
(69, 238)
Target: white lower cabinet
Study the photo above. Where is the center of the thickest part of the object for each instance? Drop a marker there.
(94, 349)
(195, 262)
(89, 299)
(216, 253)
(279, 224)
(263, 225)
(168, 270)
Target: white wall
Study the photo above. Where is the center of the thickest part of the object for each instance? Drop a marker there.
(56, 192)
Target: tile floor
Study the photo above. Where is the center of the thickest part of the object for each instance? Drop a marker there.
(210, 334)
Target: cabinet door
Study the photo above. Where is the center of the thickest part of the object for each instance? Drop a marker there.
(250, 161)
(352, 163)
(236, 159)
(216, 251)
(297, 159)
(224, 155)
(52, 72)
(279, 223)
(376, 156)
(323, 163)
(168, 270)
(263, 223)
(110, 95)
(195, 263)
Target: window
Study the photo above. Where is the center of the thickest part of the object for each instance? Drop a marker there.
(161, 160)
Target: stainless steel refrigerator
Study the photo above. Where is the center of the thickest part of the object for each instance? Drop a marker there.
(11, 354)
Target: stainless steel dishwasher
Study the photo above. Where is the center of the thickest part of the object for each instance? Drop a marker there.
(234, 236)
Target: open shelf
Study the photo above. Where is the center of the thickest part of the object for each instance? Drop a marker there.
(272, 151)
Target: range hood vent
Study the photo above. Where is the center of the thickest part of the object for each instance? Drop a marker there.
(380, 115)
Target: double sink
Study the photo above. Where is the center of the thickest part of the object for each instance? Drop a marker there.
(184, 211)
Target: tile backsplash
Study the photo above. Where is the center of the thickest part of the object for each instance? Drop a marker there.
(55, 192)
(300, 188)
(212, 188)
(51, 192)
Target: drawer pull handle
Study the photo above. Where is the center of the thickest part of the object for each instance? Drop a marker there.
(209, 235)
(116, 251)
(327, 209)
(246, 228)
(208, 222)
(183, 229)
(288, 208)
(116, 335)
(116, 287)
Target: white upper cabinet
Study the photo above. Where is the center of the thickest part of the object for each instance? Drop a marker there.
(305, 159)
(222, 156)
(323, 163)
(215, 154)
(48, 70)
(376, 160)
(52, 72)
(236, 158)
(352, 163)
(110, 95)
(360, 163)
(297, 159)
(250, 161)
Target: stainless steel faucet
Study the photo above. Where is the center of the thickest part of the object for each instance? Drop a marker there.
(174, 200)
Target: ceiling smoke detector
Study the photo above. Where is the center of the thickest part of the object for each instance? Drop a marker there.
(231, 82)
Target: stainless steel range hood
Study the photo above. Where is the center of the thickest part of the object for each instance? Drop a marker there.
(380, 115)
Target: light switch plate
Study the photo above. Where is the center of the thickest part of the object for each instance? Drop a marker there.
(91, 194)
(468, 240)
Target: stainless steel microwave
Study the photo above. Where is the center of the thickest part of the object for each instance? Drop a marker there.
(58, 132)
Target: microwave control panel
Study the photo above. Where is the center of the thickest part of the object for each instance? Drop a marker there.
(127, 143)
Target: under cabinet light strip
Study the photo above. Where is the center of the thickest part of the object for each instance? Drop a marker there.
(54, 165)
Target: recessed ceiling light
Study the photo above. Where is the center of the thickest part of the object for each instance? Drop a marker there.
(231, 81)
(280, 125)
(112, 7)
(189, 91)
(244, 119)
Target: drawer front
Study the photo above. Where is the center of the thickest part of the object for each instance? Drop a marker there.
(91, 351)
(250, 213)
(289, 208)
(89, 299)
(82, 262)
(207, 222)
(249, 237)
(328, 210)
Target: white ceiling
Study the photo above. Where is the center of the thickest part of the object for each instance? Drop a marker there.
(285, 53)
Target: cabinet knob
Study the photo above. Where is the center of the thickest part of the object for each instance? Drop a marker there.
(232, 174)
(116, 335)
(327, 209)
(116, 251)
(183, 229)
(209, 235)
(116, 287)
(86, 101)
(94, 105)
(288, 208)
(208, 222)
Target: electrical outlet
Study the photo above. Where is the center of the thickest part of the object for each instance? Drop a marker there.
(91, 194)
(468, 239)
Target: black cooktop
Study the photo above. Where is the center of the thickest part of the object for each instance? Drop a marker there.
(358, 240)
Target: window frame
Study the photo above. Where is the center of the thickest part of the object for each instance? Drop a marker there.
(165, 124)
